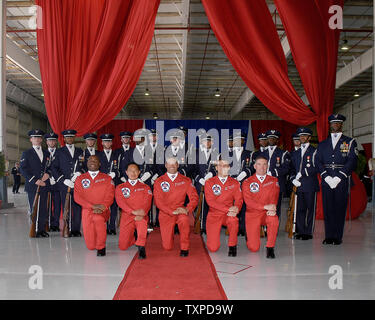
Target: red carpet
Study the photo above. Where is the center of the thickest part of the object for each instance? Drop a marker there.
(164, 275)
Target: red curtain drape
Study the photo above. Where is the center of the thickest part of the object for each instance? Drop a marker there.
(91, 56)
(249, 38)
(115, 127)
(286, 129)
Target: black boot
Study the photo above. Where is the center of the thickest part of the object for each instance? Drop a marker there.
(327, 241)
(270, 253)
(184, 253)
(232, 251)
(101, 252)
(141, 252)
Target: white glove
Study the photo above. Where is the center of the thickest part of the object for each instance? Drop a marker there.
(241, 176)
(145, 176)
(155, 176)
(298, 176)
(123, 179)
(296, 183)
(208, 176)
(69, 183)
(52, 181)
(336, 181)
(75, 176)
(112, 175)
(330, 182)
(202, 181)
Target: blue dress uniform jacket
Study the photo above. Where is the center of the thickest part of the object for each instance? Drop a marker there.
(244, 164)
(337, 162)
(309, 180)
(144, 162)
(109, 166)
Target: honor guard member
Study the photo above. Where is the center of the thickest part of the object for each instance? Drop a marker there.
(230, 145)
(90, 139)
(224, 198)
(295, 148)
(134, 198)
(109, 165)
(260, 193)
(263, 145)
(278, 163)
(157, 150)
(170, 191)
(141, 156)
(296, 141)
(240, 170)
(67, 166)
(95, 192)
(54, 223)
(336, 159)
(16, 177)
(206, 157)
(189, 150)
(34, 167)
(178, 149)
(304, 177)
(125, 137)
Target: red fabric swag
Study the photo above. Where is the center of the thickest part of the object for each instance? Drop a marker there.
(249, 38)
(91, 56)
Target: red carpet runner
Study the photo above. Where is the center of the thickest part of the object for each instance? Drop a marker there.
(164, 275)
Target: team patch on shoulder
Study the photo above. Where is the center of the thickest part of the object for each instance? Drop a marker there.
(216, 189)
(86, 183)
(254, 187)
(149, 192)
(165, 186)
(125, 192)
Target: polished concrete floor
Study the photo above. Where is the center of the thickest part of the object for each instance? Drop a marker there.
(301, 269)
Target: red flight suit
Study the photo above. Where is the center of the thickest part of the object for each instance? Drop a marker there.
(220, 197)
(170, 195)
(256, 195)
(87, 192)
(130, 198)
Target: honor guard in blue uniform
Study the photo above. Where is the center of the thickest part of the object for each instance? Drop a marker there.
(125, 137)
(304, 177)
(109, 165)
(240, 170)
(141, 156)
(90, 139)
(296, 145)
(336, 159)
(54, 206)
(296, 142)
(206, 158)
(66, 167)
(34, 167)
(263, 144)
(16, 177)
(278, 163)
(157, 150)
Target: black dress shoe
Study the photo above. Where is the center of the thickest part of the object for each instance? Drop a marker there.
(42, 234)
(232, 251)
(76, 234)
(328, 241)
(270, 253)
(298, 236)
(337, 242)
(142, 252)
(305, 237)
(184, 253)
(101, 252)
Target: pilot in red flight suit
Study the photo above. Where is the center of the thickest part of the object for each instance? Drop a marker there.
(261, 193)
(170, 192)
(224, 198)
(95, 192)
(134, 198)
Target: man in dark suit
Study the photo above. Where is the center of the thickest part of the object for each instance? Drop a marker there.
(109, 165)
(90, 139)
(66, 167)
(304, 177)
(34, 165)
(278, 163)
(336, 159)
(125, 137)
(55, 203)
(16, 177)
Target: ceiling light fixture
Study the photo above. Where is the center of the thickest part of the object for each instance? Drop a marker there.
(147, 92)
(356, 94)
(217, 93)
(155, 116)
